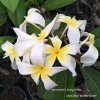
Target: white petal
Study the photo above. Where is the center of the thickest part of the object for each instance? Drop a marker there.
(22, 35)
(26, 56)
(35, 77)
(73, 35)
(23, 26)
(35, 18)
(14, 65)
(49, 27)
(90, 57)
(5, 45)
(56, 26)
(25, 68)
(82, 25)
(68, 62)
(56, 42)
(37, 54)
(50, 59)
(22, 46)
(48, 83)
(49, 49)
(71, 49)
(32, 10)
(55, 70)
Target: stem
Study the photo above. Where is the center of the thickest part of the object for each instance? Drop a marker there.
(37, 27)
(64, 32)
(84, 41)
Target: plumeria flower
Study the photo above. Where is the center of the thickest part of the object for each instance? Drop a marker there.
(10, 52)
(62, 54)
(39, 69)
(90, 57)
(25, 41)
(33, 17)
(73, 27)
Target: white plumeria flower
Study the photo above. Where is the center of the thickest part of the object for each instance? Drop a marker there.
(26, 41)
(73, 26)
(10, 51)
(39, 68)
(90, 57)
(32, 17)
(62, 54)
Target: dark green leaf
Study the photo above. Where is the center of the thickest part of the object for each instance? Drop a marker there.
(97, 43)
(31, 29)
(3, 39)
(18, 16)
(65, 81)
(3, 16)
(55, 4)
(10, 4)
(92, 79)
(96, 32)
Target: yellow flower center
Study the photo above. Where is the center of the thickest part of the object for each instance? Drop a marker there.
(57, 52)
(41, 70)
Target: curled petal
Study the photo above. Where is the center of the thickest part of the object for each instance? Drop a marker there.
(90, 57)
(23, 26)
(73, 35)
(32, 10)
(35, 18)
(82, 25)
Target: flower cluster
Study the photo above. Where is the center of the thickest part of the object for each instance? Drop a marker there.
(36, 55)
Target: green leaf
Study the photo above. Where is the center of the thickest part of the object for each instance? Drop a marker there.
(55, 4)
(97, 43)
(3, 19)
(3, 16)
(65, 81)
(31, 29)
(96, 32)
(92, 79)
(10, 4)
(18, 16)
(3, 39)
